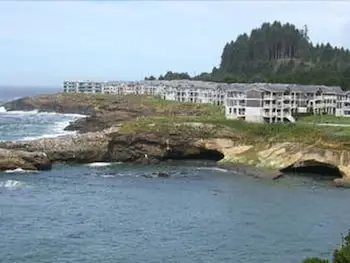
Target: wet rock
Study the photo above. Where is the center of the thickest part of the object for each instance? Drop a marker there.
(163, 175)
(251, 170)
(342, 182)
(12, 159)
(87, 148)
(156, 175)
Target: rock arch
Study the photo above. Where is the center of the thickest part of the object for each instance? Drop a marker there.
(314, 167)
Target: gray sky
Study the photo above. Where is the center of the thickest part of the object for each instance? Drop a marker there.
(44, 43)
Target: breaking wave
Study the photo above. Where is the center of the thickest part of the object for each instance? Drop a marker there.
(19, 170)
(11, 184)
(32, 125)
(213, 169)
(101, 164)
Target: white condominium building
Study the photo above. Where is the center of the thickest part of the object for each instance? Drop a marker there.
(83, 86)
(254, 102)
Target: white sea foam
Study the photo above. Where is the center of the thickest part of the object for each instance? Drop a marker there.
(213, 169)
(20, 170)
(56, 123)
(42, 113)
(107, 175)
(72, 115)
(102, 164)
(18, 112)
(11, 184)
(99, 164)
(56, 130)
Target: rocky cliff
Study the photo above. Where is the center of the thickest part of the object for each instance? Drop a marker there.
(144, 130)
(189, 142)
(104, 111)
(14, 159)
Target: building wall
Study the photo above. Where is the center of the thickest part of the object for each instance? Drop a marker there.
(254, 114)
(250, 101)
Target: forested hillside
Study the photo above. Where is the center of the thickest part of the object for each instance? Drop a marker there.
(282, 53)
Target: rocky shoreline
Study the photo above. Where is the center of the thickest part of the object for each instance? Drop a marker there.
(103, 137)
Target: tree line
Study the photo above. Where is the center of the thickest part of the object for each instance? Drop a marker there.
(277, 52)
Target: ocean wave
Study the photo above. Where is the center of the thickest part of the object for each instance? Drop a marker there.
(19, 170)
(102, 164)
(213, 169)
(33, 125)
(18, 112)
(56, 130)
(11, 184)
(72, 115)
(107, 175)
(99, 164)
(42, 113)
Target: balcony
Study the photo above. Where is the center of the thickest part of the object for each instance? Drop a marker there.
(269, 105)
(329, 97)
(319, 105)
(269, 114)
(287, 97)
(268, 98)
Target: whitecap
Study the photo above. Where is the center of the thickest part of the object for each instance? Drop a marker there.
(43, 113)
(54, 130)
(213, 169)
(11, 184)
(107, 175)
(18, 112)
(101, 164)
(72, 115)
(19, 170)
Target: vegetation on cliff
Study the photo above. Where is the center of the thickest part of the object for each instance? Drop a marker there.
(340, 255)
(277, 52)
(151, 114)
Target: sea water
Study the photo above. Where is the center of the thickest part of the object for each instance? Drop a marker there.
(115, 212)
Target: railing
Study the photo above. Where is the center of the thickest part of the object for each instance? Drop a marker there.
(319, 105)
(329, 97)
(287, 97)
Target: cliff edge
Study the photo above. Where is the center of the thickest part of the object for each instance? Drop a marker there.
(143, 129)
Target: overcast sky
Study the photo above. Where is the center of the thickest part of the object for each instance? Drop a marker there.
(43, 43)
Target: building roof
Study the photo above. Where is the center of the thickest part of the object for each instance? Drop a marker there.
(272, 87)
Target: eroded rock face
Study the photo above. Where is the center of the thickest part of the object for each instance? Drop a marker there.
(12, 159)
(285, 156)
(197, 142)
(78, 148)
(102, 111)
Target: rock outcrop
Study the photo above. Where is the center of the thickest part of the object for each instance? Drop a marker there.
(12, 159)
(140, 140)
(103, 110)
(269, 160)
(286, 157)
(78, 148)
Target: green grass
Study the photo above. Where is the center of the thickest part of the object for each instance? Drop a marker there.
(325, 119)
(328, 137)
(167, 115)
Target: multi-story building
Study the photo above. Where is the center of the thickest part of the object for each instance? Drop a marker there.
(254, 102)
(83, 86)
(262, 102)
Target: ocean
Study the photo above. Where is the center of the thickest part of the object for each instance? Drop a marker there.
(115, 212)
